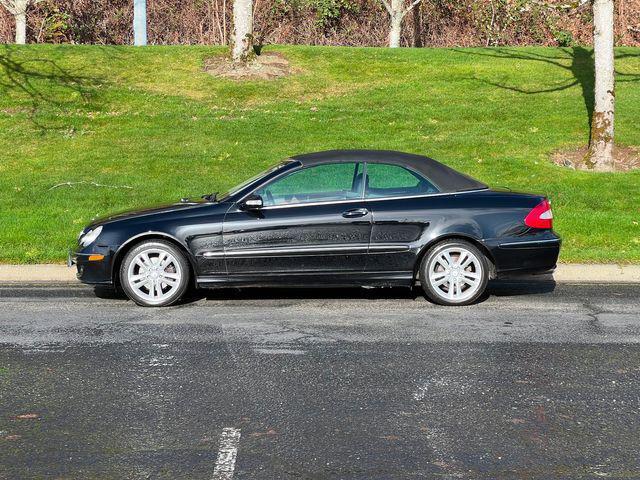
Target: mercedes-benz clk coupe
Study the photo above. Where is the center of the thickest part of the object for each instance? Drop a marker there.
(327, 219)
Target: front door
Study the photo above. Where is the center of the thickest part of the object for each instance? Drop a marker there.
(313, 222)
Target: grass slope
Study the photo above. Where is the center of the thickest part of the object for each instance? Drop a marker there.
(151, 119)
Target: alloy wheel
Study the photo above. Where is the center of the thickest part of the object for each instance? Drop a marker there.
(455, 274)
(154, 275)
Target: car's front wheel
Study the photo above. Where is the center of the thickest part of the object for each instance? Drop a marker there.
(454, 272)
(154, 273)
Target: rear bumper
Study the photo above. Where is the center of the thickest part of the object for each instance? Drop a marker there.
(537, 254)
(91, 271)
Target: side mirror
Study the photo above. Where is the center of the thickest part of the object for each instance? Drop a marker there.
(252, 202)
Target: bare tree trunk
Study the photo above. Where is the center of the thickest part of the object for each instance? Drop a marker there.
(224, 22)
(242, 39)
(397, 10)
(139, 23)
(395, 29)
(600, 156)
(21, 21)
(417, 27)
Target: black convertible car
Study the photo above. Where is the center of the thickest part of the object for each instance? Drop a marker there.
(337, 218)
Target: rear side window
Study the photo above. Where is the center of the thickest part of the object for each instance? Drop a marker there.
(387, 180)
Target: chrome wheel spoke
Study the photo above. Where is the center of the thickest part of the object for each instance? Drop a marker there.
(471, 283)
(149, 286)
(144, 258)
(445, 260)
(163, 259)
(439, 275)
(169, 281)
(138, 279)
(452, 290)
(466, 262)
(470, 278)
(441, 281)
(172, 276)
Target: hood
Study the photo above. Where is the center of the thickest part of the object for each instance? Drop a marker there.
(183, 204)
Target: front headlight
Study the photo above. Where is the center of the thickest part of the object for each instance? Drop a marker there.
(90, 237)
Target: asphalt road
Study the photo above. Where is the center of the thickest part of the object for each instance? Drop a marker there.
(537, 381)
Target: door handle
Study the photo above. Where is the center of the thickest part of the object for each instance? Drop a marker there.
(356, 212)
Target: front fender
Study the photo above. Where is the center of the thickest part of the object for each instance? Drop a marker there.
(120, 251)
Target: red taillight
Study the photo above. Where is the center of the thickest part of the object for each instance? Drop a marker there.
(540, 216)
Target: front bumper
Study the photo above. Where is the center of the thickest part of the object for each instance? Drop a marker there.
(94, 265)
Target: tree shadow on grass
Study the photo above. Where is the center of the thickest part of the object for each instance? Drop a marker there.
(578, 61)
(44, 83)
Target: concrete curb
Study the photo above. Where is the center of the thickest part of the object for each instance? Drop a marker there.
(597, 273)
(45, 273)
(565, 273)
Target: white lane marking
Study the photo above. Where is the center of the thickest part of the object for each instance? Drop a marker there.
(226, 461)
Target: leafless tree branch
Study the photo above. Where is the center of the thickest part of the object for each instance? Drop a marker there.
(93, 184)
(410, 7)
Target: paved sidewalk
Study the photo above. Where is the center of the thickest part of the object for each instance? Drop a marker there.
(565, 273)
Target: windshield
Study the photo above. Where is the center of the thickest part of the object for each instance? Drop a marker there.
(239, 187)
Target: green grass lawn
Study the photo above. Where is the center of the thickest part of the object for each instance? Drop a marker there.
(152, 120)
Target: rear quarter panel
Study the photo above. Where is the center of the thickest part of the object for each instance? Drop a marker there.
(486, 217)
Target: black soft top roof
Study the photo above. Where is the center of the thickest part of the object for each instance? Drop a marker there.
(445, 178)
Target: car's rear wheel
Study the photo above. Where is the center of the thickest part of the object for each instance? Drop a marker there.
(454, 272)
(154, 273)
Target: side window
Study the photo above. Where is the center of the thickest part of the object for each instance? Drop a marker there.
(386, 180)
(322, 183)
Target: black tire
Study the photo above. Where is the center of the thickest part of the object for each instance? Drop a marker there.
(482, 268)
(181, 266)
